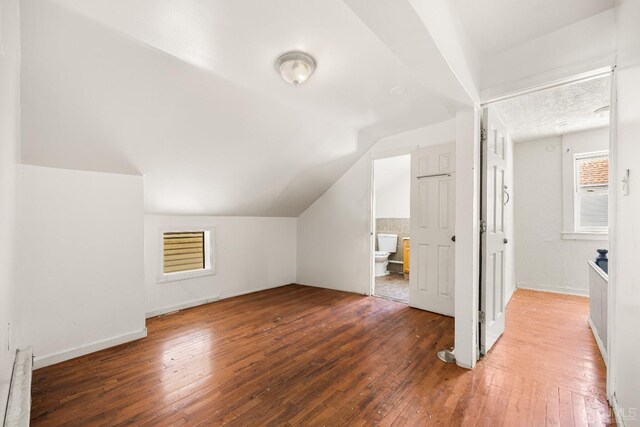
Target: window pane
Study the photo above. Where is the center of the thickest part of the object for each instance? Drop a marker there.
(593, 171)
(183, 252)
(594, 211)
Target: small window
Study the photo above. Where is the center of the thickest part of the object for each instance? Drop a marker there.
(591, 204)
(185, 254)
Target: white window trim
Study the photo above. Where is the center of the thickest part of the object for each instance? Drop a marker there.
(576, 199)
(570, 191)
(210, 264)
(566, 235)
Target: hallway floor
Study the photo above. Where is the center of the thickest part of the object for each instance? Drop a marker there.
(298, 355)
(392, 286)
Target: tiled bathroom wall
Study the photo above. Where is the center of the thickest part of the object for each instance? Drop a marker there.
(399, 226)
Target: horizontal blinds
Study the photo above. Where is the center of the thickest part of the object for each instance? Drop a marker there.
(594, 208)
(183, 251)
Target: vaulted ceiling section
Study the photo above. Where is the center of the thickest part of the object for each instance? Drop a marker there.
(186, 94)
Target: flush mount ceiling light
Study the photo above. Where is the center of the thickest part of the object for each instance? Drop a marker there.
(295, 67)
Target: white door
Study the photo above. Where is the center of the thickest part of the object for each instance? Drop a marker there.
(493, 241)
(431, 280)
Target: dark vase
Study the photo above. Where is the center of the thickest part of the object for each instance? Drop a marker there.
(602, 261)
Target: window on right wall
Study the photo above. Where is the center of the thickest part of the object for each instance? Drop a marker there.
(591, 192)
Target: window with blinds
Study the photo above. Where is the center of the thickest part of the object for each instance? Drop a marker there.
(592, 192)
(183, 251)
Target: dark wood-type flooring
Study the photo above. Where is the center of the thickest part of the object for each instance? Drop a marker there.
(298, 355)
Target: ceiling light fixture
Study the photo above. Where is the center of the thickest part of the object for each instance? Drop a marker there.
(295, 67)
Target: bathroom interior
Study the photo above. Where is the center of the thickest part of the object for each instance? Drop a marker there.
(392, 180)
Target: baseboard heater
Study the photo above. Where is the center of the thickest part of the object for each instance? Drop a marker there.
(18, 411)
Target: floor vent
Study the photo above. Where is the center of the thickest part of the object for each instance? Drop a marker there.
(19, 402)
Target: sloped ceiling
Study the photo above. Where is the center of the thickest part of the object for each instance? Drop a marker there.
(495, 25)
(185, 93)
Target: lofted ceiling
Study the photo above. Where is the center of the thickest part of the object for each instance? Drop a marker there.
(556, 111)
(495, 25)
(185, 93)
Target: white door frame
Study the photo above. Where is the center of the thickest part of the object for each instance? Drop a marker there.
(372, 226)
(613, 191)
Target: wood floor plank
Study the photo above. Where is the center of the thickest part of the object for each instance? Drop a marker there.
(300, 356)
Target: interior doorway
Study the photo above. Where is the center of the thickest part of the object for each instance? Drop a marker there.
(391, 227)
(545, 197)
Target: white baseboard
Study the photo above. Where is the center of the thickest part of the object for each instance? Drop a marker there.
(194, 303)
(51, 359)
(553, 289)
(616, 411)
(188, 304)
(510, 291)
(333, 288)
(250, 291)
(599, 342)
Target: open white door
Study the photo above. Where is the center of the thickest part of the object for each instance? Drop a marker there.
(431, 280)
(493, 241)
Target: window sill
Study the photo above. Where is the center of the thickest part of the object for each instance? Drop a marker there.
(585, 236)
(185, 275)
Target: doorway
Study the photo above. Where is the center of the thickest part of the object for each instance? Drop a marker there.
(391, 228)
(545, 197)
(413, 228)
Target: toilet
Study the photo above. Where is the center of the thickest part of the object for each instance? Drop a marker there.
(387, 245)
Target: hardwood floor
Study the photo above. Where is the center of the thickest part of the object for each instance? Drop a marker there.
(298, 355)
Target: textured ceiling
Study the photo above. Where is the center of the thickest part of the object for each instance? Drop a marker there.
(557, 111)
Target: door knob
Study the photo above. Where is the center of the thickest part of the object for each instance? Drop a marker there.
(506, 240)
(453, 238)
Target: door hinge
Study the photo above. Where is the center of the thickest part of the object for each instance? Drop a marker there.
(483, 226)
(482, 317)
(483, 135)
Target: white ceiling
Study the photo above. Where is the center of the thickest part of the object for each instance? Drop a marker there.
(561, 110)
(186, 94)
(495, 25)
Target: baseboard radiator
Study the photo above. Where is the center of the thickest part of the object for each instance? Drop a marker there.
(19, 403)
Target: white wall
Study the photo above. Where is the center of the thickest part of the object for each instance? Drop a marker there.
(544, 260)
(334, 244)
(251, 254)
(393, 187)
(80, 261)
(9, 159)
(624, 270)
(467, 288)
